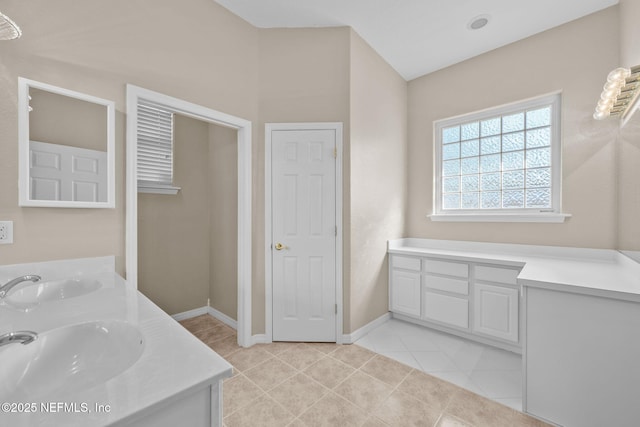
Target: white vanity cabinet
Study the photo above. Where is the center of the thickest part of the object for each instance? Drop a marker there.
(474, 300)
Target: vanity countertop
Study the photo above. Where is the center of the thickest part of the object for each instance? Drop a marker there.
(173, 364)
(598, 272)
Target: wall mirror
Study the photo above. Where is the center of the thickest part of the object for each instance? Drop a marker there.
(66, 147)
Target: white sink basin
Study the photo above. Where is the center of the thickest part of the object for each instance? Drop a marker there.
(28, 296)
(68, 359)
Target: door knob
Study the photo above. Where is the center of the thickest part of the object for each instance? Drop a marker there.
(280, 246)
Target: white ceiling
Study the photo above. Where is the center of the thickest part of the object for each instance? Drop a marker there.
(420, 36)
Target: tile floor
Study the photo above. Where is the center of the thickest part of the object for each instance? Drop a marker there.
(305, 384)
(482, 369)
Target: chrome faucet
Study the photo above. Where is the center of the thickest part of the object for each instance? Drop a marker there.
(22, 337)
(4, 289)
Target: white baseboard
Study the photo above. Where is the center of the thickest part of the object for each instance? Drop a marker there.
(262, 338)
(206, 310)
(189, 314)
(258, 339)
(359, 333)
(223, 317)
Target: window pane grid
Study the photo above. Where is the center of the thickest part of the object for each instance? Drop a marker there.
(501, 162)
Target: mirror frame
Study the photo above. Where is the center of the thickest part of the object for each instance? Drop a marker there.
(24, 198)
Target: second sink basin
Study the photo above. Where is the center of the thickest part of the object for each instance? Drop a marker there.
(68, 359)
(54, 290)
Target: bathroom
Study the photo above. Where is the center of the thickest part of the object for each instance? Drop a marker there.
(319, 75)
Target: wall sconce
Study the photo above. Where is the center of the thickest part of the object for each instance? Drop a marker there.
(9, 30)
(620, 94)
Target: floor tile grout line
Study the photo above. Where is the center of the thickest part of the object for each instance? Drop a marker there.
(296, 372)
(331, 391)
(262, 393)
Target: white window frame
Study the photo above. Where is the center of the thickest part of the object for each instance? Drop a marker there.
(554, 214)
(157, 186)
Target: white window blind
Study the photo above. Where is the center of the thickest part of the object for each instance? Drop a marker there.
(155, 146)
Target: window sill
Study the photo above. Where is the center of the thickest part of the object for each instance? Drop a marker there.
(160, 189)
(501, 217)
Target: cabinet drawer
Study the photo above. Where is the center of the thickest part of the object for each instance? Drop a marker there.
(447, 284)
(497, 274)
(446, 309)
(406, 263)
(445, 267)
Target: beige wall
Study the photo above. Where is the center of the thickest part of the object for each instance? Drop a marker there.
(629, 136)
(213, 58)
(195, 50)
(574, 58)
(304, 77)
(629, 33)
(173, 238)
(378, 117)
(187, 243)
(59, 119)
(223, 220)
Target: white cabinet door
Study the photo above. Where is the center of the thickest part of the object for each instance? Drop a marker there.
(405, 292)
(446, 309)
(496, 311)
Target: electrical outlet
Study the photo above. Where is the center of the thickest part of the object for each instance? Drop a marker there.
(6, 232)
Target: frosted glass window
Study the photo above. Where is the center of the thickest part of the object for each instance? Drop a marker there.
(513, 199)
(451, 167)
(451, 151)
(490, 145)
(470, 148)
(452, 201)
(470, 165)
(490, 181)
(490, 127)
(451, 135)
(469, 201)
(506, 158)
(513, 141)
(470, 131)
(490, 163)
(471, 182)
(540, 117)
(452, 184)
(513, 123)
(512, 180)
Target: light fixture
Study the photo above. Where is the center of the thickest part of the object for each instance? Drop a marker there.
(619, 96)
(9, 30)
(478, 22)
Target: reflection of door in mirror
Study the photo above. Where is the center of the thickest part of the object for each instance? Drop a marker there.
(67, 148)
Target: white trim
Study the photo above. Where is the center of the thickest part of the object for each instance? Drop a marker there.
(24, 198)
(361, 332)
(223, 317)
(179, 317)
(158, 189)
(506, 217)
(244, 193)
(269, 127)
(259, 339)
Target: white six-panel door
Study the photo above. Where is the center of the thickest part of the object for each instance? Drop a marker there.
(61, 172)
(303, 215)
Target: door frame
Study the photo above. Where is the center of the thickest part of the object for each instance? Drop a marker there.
(134, 93)
(269, 128)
